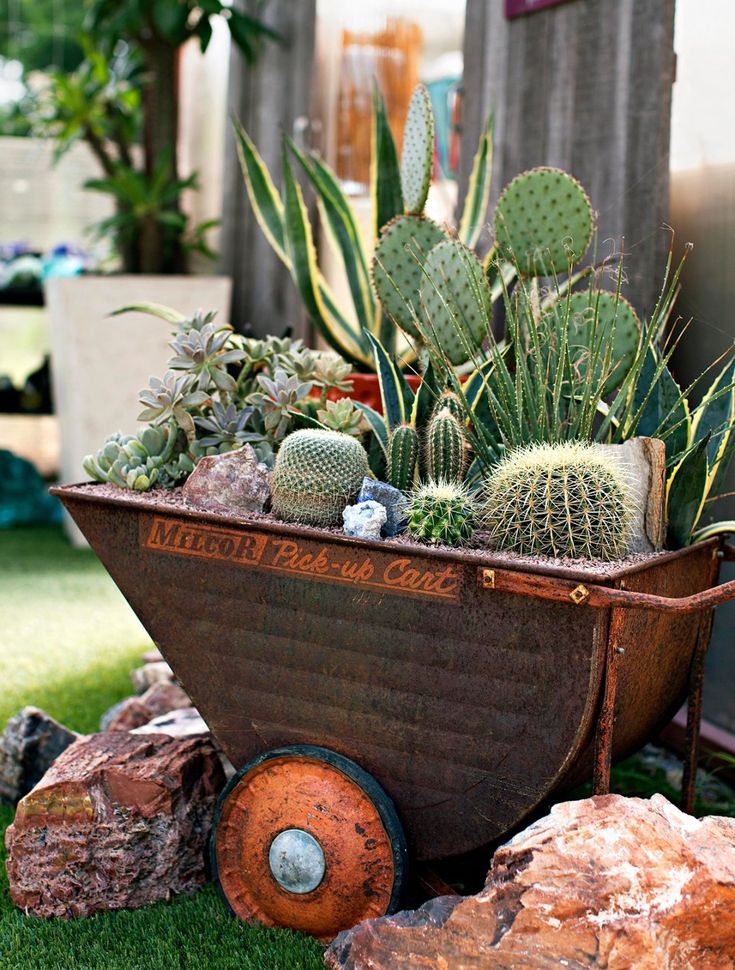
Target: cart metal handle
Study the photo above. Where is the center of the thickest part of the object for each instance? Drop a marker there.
(583, 594)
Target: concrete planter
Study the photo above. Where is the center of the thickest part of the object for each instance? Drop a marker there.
(100, 363)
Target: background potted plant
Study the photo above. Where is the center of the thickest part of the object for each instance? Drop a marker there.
(122, 101)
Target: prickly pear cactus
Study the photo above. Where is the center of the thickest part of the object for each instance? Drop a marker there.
(611, 311)
(417, 155)
(442, 512)
(403, 451)
(397, 273)
(561, 500)
(457, 299)
(543, 221)
(446, 451)
(316, 474)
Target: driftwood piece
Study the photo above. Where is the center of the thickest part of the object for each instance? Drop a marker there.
(643, 461)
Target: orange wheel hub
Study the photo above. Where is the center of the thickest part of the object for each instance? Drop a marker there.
(306, 839)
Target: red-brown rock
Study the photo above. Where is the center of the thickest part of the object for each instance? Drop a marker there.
(136, 711)
(151, 673)
(119, 821)
(234, 481)
(607, 882)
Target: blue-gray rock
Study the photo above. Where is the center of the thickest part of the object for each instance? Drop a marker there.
(364, 520)
(29, 745)
(393, 501)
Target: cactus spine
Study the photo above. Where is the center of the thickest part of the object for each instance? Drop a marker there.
(442, 512)
(316, 474)
(446, 450)
(403, 450)
(560, 500)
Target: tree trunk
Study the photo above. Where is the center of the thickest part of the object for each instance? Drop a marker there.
(161, 152)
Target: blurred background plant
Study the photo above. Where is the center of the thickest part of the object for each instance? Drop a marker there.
(121, 99)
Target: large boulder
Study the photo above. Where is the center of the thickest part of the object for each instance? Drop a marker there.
(30, 743)
(607, 882)
(119, 821)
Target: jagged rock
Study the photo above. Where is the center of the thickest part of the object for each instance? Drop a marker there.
(149, 674)
(183, 722)
(119, 821)
(29, 745)
(605, 882)
(364, 520)
(186, 722)
(136, 711)
(393, 501)
(235, 480)
(152, 656)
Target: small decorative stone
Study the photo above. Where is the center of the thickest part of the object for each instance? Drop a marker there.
(392, 499)
(29, 745)
(152, 656)
(184, 722)
(364, 520)
(119, 821)
(235, 481)
(134, 712)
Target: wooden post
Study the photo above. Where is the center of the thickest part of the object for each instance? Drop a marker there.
(267, 98)
(585, 86)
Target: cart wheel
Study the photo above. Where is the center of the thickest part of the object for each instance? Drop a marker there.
(304, 838)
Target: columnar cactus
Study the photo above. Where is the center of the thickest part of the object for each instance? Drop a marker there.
(446, 447)
(403, 450)
(442, 512)
(316, 474)
(562, 500)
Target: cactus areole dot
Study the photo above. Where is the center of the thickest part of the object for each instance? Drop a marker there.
(297, 861)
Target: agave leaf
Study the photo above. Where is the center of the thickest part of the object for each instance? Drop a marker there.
(304, 269)
(476, 201)
(339, 218)
(685, 494)
(716, 416)
(378, 425)
(715, 529)
(166, 313)
(385, 172)
(395, 393)
(264, 198)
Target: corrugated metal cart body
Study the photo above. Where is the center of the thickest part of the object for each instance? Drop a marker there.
(471, 690)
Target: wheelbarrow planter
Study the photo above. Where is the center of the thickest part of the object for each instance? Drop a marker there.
(385, 699)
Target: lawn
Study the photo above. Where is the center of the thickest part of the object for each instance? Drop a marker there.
(68, 641)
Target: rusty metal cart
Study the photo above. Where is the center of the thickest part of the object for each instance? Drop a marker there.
(381, 700)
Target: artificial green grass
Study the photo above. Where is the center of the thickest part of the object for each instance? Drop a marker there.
(68, 641)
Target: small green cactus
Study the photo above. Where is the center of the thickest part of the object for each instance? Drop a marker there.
(446, 448)
(457, 299)
(562, 500)
(417, 155)
(403, 450)
(442, 512)
(543, 221)
(316, 474)
(397, 274)
(448, 399)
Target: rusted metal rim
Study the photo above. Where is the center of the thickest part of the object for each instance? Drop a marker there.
(84, 492)
(304, 838)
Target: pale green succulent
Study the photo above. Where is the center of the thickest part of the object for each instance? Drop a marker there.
(332, 372)
(342, 416)
(277, 401)
(206, 354)
(172, 398)
(136, 461)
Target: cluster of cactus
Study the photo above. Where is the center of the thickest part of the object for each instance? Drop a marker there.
(561, 500)
(403, 454)
(138, 462)
(446, 446)
(316, 474)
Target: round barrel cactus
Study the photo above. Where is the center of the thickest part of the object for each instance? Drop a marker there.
(562, 500)
(442, 512)
(316, 474)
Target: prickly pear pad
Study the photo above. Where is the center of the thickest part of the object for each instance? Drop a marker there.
(543, 221)
(397, 273)
(457, 299)
(417, 155)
